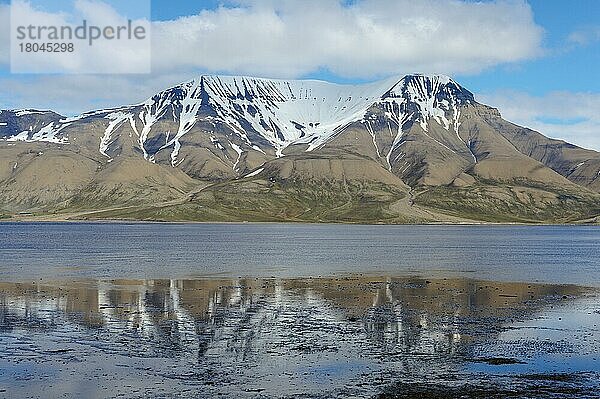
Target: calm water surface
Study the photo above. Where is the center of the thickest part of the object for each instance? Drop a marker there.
(547, 254)
(252, 310)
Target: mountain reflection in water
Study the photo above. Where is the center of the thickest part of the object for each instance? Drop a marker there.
(251, 337)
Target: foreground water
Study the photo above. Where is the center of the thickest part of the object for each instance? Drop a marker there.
(109, 310)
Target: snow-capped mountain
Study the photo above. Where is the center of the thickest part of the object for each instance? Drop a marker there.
(422, 130)
(280, 112)
(261, 115)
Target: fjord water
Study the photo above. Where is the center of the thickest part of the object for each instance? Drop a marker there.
(552, 254)
(276, 310)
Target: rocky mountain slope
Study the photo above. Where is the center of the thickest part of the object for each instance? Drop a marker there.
(416, 149)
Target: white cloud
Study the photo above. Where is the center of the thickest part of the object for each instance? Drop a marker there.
(572, 117)
(584, 36)
(290, 38)
(370, 38)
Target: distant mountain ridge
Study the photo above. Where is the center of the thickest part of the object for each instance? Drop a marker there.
(415, 136)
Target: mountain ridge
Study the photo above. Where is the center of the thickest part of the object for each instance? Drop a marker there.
(387, 139)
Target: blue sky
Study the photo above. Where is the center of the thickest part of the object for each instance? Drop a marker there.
(565, 65)
(536, 60)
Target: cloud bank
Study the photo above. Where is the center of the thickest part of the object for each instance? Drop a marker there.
(364, 39)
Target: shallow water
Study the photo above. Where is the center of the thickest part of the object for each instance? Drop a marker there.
(433, 310)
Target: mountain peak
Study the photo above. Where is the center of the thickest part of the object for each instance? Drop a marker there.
(444, 79)
(418, 87)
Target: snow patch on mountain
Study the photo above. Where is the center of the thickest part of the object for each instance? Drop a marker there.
(239, 152)
(23, 112)
(49, 133)
(152, 110)
(23, 136)
(117, 119)
(187, 119)
(286, 112)
(255, 173)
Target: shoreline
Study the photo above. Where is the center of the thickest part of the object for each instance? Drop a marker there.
(138, 221)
